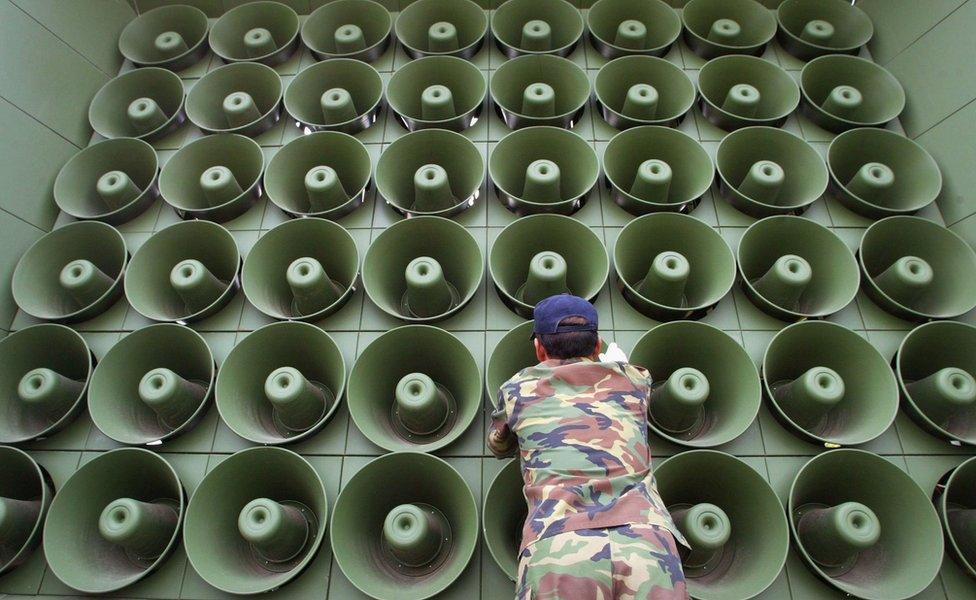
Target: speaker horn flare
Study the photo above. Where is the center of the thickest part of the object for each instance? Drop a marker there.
(918, 270)
(145, 103)
(423, 269)
(442, 28)
(811, 28)
(261, 32)
(843, 92)
(764, 171)
(264, 510)
(793, 268)
(829, 385)
(114, 521)
(281, 384)
(721, 27)
(937, 379)
(704, 395)
(355, 29)
(739, 539)
(543, 170)
(404, 519)
(526, 264)
(170, 37)
(341, 94)
(847, 508)
(740, 91)
(536, 27)
(625, 27)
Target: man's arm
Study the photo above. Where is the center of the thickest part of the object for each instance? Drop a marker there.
(501, 441)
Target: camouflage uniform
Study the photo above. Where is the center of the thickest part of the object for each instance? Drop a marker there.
(629, 562)
(596, 527)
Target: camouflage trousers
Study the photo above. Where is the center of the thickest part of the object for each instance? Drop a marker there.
(630, 562)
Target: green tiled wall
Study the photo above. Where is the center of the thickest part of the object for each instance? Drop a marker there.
(928, 45)
(46, 124)
(54, 55)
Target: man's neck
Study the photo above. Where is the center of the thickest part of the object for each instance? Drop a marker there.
(567, 361)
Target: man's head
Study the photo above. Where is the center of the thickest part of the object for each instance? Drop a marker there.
(565, 327)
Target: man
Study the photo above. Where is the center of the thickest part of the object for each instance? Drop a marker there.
(596, 528)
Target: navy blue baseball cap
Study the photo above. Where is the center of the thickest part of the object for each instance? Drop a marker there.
(550, 311)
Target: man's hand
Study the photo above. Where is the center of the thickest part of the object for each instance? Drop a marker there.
(613, 354)
(499, 444)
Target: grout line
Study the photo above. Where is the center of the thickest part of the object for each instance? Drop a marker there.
(923, 34)
(60, 39)
(958, 221)
(39, 122)
(19, 218)
(942, 120)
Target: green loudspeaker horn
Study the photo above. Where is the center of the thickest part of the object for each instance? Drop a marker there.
(812, 28)
(864, 526)
(643, 90)
(625, 27)
(405, 525)
(540, 90)
(260, 32)
(281, 384)
(829, 385)
(144, 103)
(731, 517)
(793, 268)
(878, 173)
(115, 521)
(504, 515)
(654, 169)
(72, 274)
(442, 27)
(171, 37)
(513, 353)
(763, 171)
(25, 495)
(430, 172)
(720, 27)
(256, 521)
(542, 255)
(706, 390)
(843, 92)
(936, 369)
(438, 91)
(543, 170)
(673, 266)
(341, 94)
(918, 270)
(423, 269)
(240, 98)
(357, 29)
(739, 91)
(536, 27)
(304, 269)
(113, 181)
(44, 371)
(215, 178)
(184, 273)
(324, 174)
(956, 505)
(420, 400)
(153, 385)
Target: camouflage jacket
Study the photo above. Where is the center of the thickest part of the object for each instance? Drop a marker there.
(581, 428)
